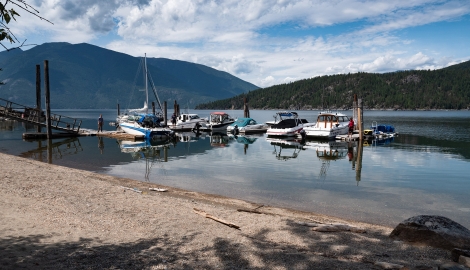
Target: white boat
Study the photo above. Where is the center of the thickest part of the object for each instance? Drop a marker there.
(290, 125)
(188, 121)
(218, 121)
(328, 125)
(279, 116)
(246, 126)
(147, 125)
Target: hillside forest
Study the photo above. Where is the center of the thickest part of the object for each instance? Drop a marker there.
(447, 88)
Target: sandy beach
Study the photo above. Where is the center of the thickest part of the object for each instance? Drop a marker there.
(54, 217)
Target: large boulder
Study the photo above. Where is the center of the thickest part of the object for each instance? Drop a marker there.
(433, 231)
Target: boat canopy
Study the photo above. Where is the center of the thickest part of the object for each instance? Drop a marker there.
(287, 114)
(243, 122)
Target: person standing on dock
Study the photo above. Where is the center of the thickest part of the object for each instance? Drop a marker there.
(351, 126)
(173, 119)
(100, 123)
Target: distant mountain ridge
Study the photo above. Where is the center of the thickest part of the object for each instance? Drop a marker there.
(447, 88)
(84, 76)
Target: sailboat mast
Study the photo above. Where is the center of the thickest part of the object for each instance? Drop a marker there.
(146, 83)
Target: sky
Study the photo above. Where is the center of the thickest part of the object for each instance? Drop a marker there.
(264, 42)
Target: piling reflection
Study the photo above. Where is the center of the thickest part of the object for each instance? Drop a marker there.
(246, 140)
(328, 151)
(295, 146)
(219, 139)
(150, 151)
(50, 150)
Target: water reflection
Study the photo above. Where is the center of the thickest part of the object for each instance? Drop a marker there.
(246, 140)
(150, 151)
(293, 147)
(49, 150)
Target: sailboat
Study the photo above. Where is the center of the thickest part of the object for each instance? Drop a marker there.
(140, 122)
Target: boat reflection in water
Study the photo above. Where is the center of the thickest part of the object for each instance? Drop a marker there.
(328, 151)
(295, 146)
(219, 139)
(245, 140)
(149, 150)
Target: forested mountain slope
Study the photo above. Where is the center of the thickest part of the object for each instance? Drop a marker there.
(85, 76)
(447, 88)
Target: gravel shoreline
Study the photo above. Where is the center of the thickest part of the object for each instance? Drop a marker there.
(57, 217)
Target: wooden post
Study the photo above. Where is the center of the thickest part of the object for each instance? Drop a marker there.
(165, 114)
(175, 109)
(153, 108)
(38, 96)
(246, 111)
(48, 99)
(360, 125)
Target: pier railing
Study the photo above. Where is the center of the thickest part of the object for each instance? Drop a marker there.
(34, 116)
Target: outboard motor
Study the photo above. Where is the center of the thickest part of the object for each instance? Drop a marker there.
(302, 134)
(235, 130)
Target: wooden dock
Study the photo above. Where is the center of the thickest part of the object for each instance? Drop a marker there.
(87, 132)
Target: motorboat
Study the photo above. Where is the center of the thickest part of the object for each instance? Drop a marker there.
(379, 131)
(281, 115)
(328, 125)
(147, 125)
(218, 121)
(246, 126)
(188, 121)
(290, 125)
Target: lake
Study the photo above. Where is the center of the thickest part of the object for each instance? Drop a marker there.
(424, 170)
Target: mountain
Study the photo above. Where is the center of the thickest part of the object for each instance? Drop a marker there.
(84, 76)
(447, 88)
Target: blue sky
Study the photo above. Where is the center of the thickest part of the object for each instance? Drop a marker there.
(264, 42)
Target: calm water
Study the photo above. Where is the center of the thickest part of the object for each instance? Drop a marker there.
(425, 170)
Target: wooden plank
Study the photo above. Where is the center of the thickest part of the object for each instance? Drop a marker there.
(204, 214)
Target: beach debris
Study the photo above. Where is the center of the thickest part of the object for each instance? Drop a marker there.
(436, 231)
(337, 228)
(254, 210)
(131, 189)
(249, 211)
(204, 214)
(158, 189)
(308, 224)
(386, 265)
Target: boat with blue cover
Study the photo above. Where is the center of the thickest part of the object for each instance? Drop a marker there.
(379, 131)
(246, 125)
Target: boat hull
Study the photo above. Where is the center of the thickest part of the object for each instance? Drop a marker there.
(148, 133)
(284, 132)
(325, 133)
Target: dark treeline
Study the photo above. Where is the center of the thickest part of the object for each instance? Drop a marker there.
(447, 88)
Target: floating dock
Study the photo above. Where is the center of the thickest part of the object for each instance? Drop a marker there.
(87, 132)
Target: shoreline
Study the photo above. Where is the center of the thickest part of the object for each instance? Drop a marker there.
(58, 217)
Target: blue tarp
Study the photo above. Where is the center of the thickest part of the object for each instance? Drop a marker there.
(385, 128)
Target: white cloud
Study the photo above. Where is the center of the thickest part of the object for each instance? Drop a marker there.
(264, 42)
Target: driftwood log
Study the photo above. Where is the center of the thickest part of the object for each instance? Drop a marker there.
(204, 214)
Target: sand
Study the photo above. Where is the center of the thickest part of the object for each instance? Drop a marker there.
(53, 217)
